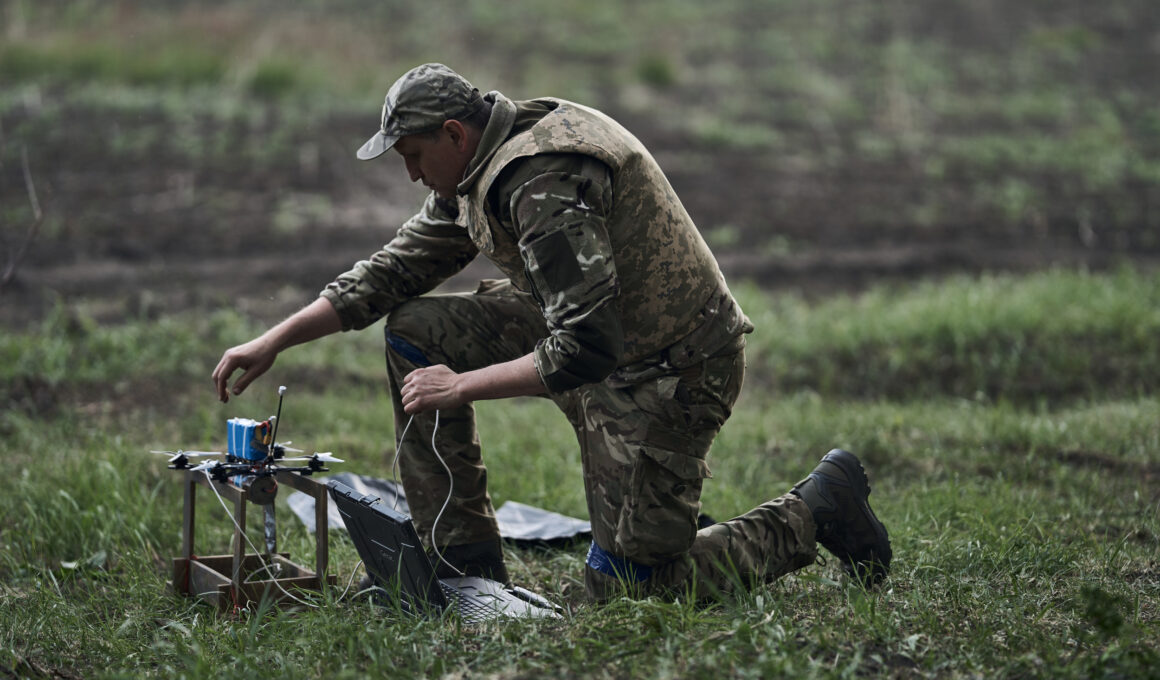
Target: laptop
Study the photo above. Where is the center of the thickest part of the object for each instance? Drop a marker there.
(390, 549)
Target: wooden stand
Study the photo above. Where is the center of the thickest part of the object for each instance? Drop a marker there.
(206, 576)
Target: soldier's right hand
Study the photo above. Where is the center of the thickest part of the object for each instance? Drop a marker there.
(254, 358)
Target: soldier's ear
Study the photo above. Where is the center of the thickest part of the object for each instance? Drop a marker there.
(457, 133)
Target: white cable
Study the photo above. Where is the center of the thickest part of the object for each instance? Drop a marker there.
(450, 485)
(257, 553)
(395, 463)
(450, 492)
(351, 581)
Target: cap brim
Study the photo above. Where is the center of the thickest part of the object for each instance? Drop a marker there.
(377, 146)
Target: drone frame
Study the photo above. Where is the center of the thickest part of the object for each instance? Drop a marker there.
(206, 576)
(225, 580)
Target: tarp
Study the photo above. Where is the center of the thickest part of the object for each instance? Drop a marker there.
(518, 522)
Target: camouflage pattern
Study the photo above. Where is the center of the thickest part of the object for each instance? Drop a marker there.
(666, 273)
(427, 250)
(643, 451)
(563, 219)
(589, 248)
(559, 206)
(769, 541)
(420, 101)
(464, 332)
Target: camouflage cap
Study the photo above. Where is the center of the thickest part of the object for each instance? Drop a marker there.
(420, 101)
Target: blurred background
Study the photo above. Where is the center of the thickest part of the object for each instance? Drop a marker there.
(191, 155)
(943, 217)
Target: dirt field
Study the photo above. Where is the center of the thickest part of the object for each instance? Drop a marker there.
(819, 146)
(150, 229)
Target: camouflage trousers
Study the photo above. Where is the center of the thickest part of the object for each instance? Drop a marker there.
(643, 447)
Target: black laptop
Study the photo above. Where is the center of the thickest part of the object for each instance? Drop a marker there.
(390, 548)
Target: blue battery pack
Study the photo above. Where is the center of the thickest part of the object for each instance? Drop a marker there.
(246, 438)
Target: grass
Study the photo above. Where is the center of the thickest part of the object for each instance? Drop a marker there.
(1025, 529)
(1010, 425)
(988, 338)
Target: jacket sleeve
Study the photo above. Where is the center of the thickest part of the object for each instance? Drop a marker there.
(558, 209)
(427, 250)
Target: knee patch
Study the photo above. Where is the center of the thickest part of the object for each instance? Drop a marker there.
(404, 318)
(406, 350)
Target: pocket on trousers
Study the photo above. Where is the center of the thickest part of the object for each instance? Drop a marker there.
(659, 519)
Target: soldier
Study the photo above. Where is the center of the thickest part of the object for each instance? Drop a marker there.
(614, 308)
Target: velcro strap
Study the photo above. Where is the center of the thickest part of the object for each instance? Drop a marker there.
(617, 567)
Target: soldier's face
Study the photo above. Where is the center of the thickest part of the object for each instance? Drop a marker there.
(438, 161)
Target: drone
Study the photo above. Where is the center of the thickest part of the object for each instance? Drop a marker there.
(246, 472)
(254, 454)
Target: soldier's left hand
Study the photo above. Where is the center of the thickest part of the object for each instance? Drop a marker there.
(430, 389)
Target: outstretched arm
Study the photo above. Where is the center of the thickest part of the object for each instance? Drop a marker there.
(255, 357)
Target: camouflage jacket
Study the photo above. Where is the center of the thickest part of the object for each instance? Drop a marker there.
(574, 210)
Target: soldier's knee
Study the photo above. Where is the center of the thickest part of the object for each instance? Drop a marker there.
(405, 328)
(412, 318)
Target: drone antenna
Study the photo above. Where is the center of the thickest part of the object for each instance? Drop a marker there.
(277, 419)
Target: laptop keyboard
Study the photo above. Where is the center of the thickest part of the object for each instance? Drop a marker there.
(468, 608)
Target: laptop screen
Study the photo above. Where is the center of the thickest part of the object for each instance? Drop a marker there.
(389, 547)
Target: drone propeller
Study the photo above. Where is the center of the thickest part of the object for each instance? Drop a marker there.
(324, 457)
(188, 454)
(207, 465)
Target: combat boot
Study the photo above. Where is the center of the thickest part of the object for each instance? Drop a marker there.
(837, 493)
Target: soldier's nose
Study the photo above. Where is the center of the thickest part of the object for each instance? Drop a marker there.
(414, 172)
